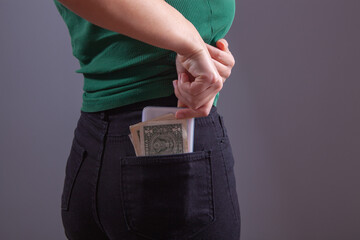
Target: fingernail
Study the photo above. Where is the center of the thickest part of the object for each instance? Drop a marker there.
(222, 45)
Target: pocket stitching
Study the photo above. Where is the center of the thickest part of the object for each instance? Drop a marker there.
(198, 155)
(164, 159)
(72, 175)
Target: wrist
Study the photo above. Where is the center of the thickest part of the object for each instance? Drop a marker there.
(190, 44)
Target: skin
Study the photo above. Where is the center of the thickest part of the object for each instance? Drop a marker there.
(224, 62)
(136, 19)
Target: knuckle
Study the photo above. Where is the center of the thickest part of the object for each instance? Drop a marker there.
(218, 84)
(232, 62)
(228, 73)
(212, 77)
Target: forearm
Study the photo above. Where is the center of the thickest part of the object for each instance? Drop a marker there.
(151, 21)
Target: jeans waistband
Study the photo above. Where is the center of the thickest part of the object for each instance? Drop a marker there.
(119, 119)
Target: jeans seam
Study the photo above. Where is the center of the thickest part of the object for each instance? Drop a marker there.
(228, 185)
(222, 137)
(96, 177)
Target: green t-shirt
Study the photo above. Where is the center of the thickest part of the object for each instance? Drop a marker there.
(120, 70)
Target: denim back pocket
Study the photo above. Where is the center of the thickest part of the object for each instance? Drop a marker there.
(74, 161)
(168, 197)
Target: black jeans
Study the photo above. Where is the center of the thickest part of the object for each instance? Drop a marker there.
(109, 193)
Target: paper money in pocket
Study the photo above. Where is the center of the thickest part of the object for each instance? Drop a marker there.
(159, 136)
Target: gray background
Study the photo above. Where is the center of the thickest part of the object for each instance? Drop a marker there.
(291, 107)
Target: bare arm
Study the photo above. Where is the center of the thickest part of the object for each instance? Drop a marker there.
(159, 24)
(152, 21)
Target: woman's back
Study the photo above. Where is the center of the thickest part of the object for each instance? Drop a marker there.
(120, 70)
(109, 192)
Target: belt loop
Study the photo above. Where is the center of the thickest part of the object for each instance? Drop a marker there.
(104, 116)
(221, 120)
(218, 122)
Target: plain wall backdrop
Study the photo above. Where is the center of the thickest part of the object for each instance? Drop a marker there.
(291, 107)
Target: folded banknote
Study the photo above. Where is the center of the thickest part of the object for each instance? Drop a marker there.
(160, 136)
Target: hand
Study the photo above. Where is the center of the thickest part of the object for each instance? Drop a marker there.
(222, 58)
(198, 83)
(224, 62)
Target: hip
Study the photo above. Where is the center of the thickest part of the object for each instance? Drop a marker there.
(198, 188)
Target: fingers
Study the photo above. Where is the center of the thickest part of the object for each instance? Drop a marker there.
(179, 67)
(190, 113)
(225, 57)
(192, 102)
(222, 58)
(193, 87)
(223, 70)
(222, 44)
(200, 78)
(195, 101)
